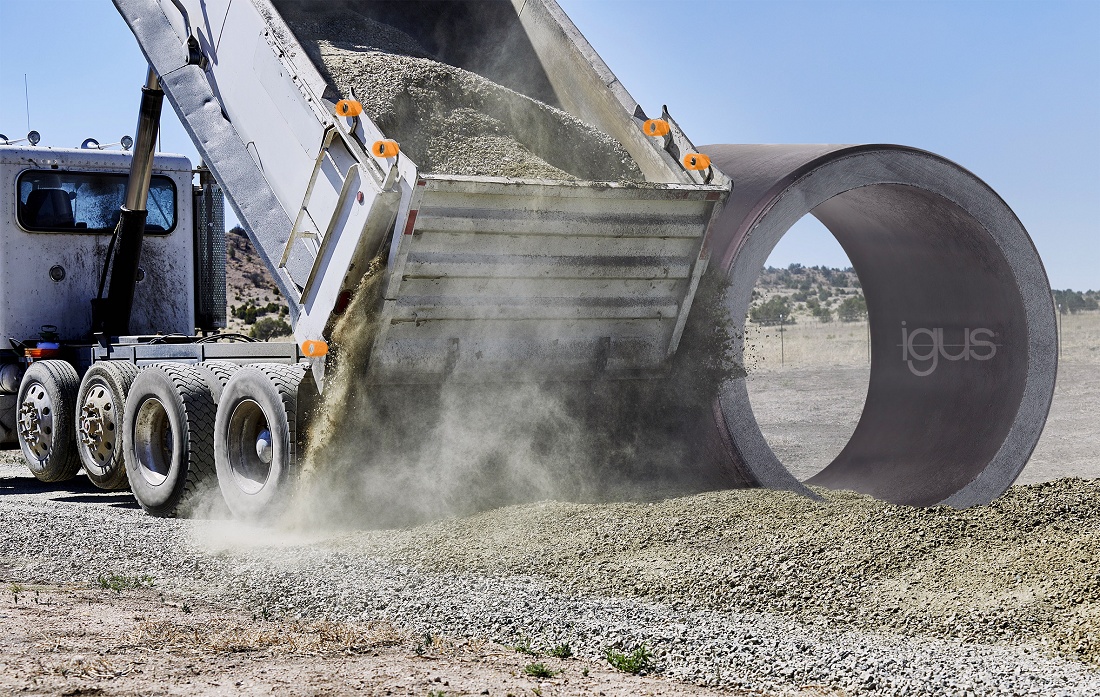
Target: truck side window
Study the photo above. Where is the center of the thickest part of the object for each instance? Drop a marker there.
(53, 201)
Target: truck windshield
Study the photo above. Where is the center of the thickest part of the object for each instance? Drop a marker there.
(55, 201)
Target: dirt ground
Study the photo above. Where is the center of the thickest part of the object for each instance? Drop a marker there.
(830, 400)
(81, 640)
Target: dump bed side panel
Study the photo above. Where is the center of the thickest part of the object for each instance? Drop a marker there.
(505, 280)
(288, 168)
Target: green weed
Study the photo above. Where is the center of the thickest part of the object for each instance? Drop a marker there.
(538, 670)
(118, 583)
(524, 646)
(426, 642)
(635, 662)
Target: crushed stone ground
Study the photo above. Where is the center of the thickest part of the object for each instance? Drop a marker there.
(742, 589)
(1021, 569)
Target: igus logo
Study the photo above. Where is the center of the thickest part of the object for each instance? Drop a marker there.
(923, 348)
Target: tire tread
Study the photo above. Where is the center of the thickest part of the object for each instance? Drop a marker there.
(194, 399)
(280, 384)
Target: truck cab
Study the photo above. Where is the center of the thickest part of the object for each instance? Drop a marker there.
(58, 211)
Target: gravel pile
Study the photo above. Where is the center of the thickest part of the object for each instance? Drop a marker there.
(1021, 569)
(449, 120)
(765, 607)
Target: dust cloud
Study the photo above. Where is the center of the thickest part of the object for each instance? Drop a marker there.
(395, 455)
(391, 455)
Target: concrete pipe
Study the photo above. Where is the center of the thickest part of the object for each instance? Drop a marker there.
(962, 324)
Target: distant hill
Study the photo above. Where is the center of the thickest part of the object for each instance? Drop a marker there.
(255, 306)
(822, 294)
(1073, 301)
(807, 293)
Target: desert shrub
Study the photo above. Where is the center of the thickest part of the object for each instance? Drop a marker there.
(852, 309)
(769, 311)
(269, 327)
(820, 312)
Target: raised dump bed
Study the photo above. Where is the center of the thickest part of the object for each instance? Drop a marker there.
(488, 277)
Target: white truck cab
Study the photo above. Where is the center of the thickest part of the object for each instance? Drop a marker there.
(58, 211)
(59, 208)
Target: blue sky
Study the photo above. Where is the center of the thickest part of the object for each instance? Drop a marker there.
(1009, 90)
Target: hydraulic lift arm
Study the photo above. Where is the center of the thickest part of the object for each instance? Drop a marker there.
(111, 313)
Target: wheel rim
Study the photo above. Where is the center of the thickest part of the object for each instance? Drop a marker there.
(249, 447)
(153, 441)
(36, 421)
(96, 427)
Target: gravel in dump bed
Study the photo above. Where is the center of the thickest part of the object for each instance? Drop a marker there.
(449, 120)
(628, 581)
(344, 25)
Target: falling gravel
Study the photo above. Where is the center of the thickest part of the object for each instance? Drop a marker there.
(751, 589)
(450, 120)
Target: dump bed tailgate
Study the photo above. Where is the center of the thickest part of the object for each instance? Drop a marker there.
(505, 279)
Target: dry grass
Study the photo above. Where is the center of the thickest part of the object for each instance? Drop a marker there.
(95, 667)
(810, 343)
(299, 638)
(1081, 337)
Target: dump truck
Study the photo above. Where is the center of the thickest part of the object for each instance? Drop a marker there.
(576, 279)
(117, 366)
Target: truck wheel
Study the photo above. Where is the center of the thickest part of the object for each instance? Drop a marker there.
(256, 438)
(168, 439)
(47, 396)
(101, 404)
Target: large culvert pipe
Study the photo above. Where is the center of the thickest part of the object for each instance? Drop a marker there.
(963, 340)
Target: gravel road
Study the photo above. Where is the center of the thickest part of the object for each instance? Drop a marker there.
(745, 589)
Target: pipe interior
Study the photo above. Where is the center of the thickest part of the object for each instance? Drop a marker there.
(807, 393)
(942, 302)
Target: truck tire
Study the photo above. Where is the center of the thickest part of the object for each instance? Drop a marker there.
(256, 439)
(168, 438)
(47, 399)
(217, 374)
(100, 406)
